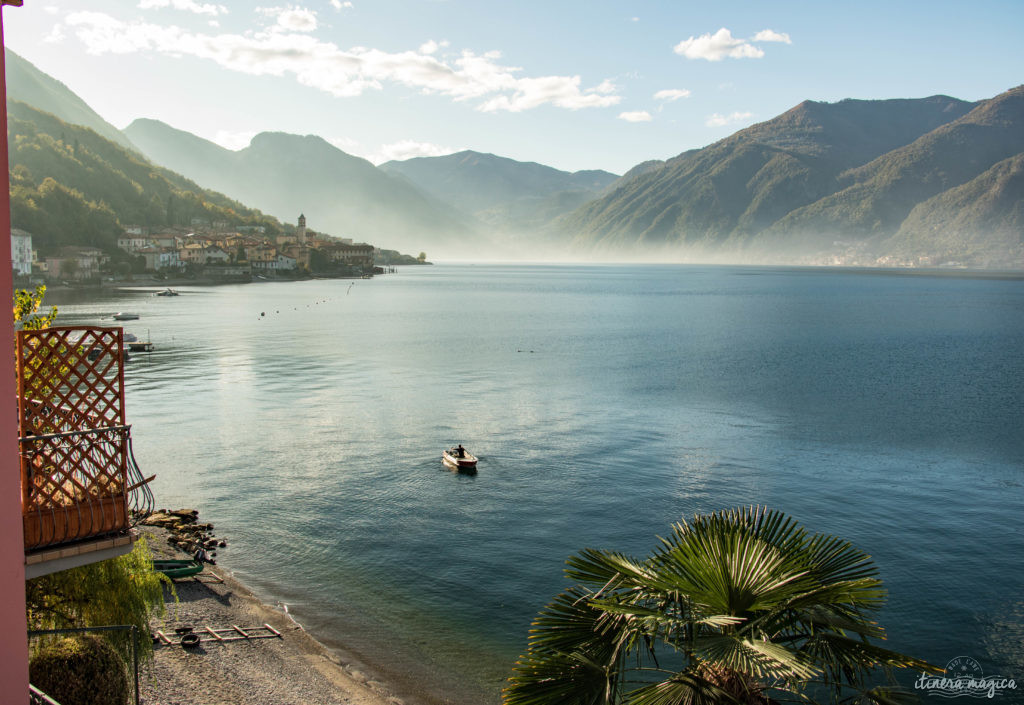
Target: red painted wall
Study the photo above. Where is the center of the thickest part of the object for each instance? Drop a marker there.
(13, 632)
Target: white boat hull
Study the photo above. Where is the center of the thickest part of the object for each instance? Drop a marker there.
(466, 462)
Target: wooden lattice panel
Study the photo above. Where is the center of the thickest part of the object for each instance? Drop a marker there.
(70, 379)
(74, 441)
(69, 468)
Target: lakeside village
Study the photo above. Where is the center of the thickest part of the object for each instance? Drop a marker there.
(210, 252)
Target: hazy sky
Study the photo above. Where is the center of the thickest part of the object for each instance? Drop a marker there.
(576, 85)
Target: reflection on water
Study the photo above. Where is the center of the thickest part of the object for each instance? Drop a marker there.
(307, 421)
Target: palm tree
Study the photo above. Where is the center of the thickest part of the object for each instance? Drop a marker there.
(741, 606)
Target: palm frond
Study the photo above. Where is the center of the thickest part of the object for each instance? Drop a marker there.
(760, 659)
(571, 679)
(882, 695)
(603, 570)
(681, 689)
(570, 624)
(806, 621)
(728, 568)
(854, 658)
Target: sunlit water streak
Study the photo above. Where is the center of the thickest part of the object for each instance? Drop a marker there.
(307, 421)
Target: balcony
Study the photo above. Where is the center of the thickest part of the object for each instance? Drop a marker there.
(81, 489)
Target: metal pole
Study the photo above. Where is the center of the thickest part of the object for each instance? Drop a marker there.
(135, 659)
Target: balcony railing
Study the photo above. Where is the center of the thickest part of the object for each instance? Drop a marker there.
(79, 477)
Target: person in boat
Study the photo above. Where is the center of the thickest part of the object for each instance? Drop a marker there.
(460, 451)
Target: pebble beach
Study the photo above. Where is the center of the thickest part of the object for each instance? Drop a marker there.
(293, 669)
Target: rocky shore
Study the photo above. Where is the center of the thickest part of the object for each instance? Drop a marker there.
(293, 669)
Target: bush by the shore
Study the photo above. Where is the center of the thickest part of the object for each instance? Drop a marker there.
(83, 670)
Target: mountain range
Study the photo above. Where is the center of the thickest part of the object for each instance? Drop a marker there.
(508, 196)
(862, 179)
(289, 175)
(908, 181)
(72, 186)
(29, 85)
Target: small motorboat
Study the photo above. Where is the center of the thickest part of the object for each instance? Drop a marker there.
(167, 292)
(122, 316)
(178, 568)
(459, 458)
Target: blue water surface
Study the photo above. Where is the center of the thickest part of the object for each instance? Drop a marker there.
(306, 420)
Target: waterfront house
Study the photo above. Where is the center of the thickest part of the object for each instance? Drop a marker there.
(191, 253)
(132, 243)
(165, 239)
(301, 255)
(260, 253)
(21, 252)
(356, 255)
(214, 254)
(200, 253)
(160, 258)
(75, 264)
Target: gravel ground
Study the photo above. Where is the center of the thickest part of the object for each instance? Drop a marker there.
(292, 670)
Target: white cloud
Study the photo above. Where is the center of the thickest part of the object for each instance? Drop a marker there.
(636, 116)
(399, 151)
(408, 149)
(431, 47)
(346, 144)
(344, 73)
(768, 35)
(51, 9)
(718, 120)
(717, 46)
(671, 94)
(560, 91)
(722, 45)
(56, 35)
(233, 140)
(290, 19)
(339, 5)
(186, 5)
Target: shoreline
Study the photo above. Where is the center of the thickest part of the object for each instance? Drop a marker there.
(297, 668)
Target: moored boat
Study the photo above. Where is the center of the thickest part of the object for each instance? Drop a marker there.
(459, 458)
(167, 292)
(174, 568)
(122, 316)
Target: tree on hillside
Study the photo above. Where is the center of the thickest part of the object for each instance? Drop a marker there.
(741, 606)
(70, 186)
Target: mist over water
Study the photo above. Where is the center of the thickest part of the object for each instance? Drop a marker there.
(306, 421)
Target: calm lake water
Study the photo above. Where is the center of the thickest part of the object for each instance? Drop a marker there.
(306, 420)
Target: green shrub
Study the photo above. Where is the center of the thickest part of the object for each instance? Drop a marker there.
(123, 590)
(83, 670)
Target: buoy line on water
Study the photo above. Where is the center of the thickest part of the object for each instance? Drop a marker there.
(263, 314)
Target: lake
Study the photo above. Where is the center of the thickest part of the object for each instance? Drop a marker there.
(306, 420)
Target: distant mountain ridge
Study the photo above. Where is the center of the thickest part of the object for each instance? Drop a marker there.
(29, 85)
(868, 182)
(876, 198)
(503, 193)
(286, 175)
(824, 180)
(72, 186)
